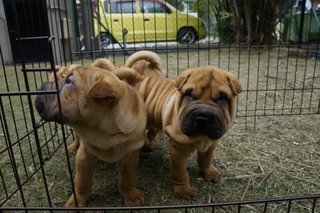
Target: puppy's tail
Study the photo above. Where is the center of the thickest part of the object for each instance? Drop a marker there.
(128, 75)
(151, 57)
(104, 64)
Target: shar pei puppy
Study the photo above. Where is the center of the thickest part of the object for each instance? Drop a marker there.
(109, 117)
(195, 111)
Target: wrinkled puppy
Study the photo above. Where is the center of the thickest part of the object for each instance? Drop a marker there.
(195, 111)
(109, 116)
(148, 64)
(145, 62)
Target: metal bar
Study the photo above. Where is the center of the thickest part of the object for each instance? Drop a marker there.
(4, 150)
(28, 93)
(52, 63)
(33, 38)
(303, 9)
(248, 80)
(50, 23)
(26, 80)
(289, 206)
(210, 205)
(38, 69)
(191, 47)
(68, 27)
(313, 79)
(11, 154)
(314, 204)
(62, 39)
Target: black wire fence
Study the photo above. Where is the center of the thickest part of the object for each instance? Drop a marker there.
(279, 78)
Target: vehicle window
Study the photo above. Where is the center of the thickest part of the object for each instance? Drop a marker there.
(122, 6)
(151, 6)
(105, 5)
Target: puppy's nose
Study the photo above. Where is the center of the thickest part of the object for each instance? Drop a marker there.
(209, 123)
(201, 122)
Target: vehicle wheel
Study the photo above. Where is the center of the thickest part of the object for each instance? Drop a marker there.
(106, 40)
(187, 36)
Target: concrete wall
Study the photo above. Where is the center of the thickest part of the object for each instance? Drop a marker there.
(4, 37)
(62, 27)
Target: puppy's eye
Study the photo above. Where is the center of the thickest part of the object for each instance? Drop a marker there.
(188, 95)
(223, 99)
(68, 80)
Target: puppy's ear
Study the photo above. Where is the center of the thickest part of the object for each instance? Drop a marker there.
(104, 90)
(234, 84)
(181, 80)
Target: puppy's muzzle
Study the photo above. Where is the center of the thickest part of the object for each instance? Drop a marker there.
(47, 104)
(204, 121)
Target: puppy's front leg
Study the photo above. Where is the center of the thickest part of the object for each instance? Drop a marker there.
(127, 169)
(74, 146)
(180, 176)
(206, 168)
(85, 166)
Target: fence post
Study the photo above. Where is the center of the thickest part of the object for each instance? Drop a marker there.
(303, 8)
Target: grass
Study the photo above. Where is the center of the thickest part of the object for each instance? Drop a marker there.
(260, 157)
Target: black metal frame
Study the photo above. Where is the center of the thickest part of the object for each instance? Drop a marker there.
(55, 136)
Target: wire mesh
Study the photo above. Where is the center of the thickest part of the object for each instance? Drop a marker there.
(279, 79)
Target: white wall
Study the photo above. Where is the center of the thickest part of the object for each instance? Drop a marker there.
(4, 37)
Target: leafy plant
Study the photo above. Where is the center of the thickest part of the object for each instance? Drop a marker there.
(253, 22)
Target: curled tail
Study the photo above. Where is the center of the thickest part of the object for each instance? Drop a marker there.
(151, 57)
(104, 64)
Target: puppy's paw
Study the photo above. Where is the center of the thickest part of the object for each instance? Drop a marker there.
(185, 192)
(133, 198)
(81, 201)
(211, 174)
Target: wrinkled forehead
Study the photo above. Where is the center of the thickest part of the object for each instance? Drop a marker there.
(83, 75)
(65, 70)
(209, 80)
(86, 75)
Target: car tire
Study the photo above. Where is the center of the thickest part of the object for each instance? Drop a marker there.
(106, 40)
(187, 35)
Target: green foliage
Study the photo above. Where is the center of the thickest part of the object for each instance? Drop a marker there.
(243, 20)
(217, 17)
(205, 8)
(223, 30)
